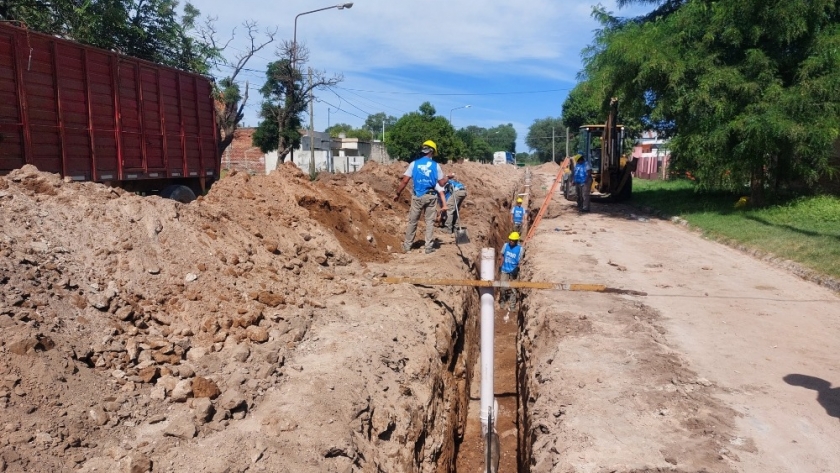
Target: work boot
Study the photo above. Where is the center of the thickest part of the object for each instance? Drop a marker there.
(406, 248)
(430, 250)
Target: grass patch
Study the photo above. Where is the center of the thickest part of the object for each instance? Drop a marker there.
(801, 229)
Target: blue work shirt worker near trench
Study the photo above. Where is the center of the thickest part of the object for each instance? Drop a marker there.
(510, 257)
(517, 215)
(425, 173)
(456, 192)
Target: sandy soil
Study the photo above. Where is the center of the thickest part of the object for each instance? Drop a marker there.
(728, 364)
(245, 331)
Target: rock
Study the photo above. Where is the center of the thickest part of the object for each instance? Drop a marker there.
(190, 277)
(203, 387)
(230, 400)
(23, 346)
(270, 299)
(125, 313)
(256, 334)
(241, 353)
(202, 409)
(98, 415)
(148, 374)
(6, 322)
(182, 391)
(139, 463)
(158, 393)
(196, 353)
(168, 382)
(181, 427)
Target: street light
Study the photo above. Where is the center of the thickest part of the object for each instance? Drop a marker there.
(340, 6)
(456, 108)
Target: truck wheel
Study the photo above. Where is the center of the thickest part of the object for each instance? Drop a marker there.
(182, 194)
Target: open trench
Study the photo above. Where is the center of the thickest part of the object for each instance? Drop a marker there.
(509, 378)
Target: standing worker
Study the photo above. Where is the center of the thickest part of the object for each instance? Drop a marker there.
(457, 194)
(509, 258)
(517, 215)
(583, 183)
(426, 174)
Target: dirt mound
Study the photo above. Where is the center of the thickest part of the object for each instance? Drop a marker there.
(243, 330)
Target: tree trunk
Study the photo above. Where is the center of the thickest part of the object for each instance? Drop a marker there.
(757, 186)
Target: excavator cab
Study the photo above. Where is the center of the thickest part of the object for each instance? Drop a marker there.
(603, 147)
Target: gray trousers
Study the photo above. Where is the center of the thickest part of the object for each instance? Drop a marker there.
(424, 203)
(583, 191)
(456, 198)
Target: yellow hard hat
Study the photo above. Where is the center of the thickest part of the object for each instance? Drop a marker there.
(513, 236)
(431, 144)
(519, 200)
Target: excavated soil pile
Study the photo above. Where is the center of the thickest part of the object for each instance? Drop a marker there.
(244, 331)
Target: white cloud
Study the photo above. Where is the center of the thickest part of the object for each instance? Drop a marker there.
(431, 47)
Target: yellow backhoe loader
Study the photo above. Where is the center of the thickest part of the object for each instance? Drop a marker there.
(611, 169)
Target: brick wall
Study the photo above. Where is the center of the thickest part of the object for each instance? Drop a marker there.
(242, 155)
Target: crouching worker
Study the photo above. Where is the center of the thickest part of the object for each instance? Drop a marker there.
(454, 198)
(509, 258)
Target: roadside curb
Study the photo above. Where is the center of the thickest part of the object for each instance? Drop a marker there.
(781, 263)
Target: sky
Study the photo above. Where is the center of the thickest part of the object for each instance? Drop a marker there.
(509, 61)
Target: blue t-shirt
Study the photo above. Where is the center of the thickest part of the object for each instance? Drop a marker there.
(425, 173)
(511, 258)
(582, 172)
(456, 185)
(518, 214)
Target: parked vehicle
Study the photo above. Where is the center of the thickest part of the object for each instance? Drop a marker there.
(95, 115)
(504, 157)
(612, 171)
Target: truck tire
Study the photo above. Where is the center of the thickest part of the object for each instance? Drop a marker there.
(177, 192)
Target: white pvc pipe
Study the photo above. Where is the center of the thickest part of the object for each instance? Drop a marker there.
(488, 273)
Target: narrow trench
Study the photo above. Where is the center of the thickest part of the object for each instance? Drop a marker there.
(508, 382)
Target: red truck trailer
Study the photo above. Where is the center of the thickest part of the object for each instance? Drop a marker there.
(95, 115)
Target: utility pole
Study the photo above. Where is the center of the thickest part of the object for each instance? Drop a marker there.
(553, 159)
(311, 130)
(567, 142)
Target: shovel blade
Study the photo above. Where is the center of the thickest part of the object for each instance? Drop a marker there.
(461, 236)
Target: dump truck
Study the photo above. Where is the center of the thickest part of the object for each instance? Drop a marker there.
(94, 115)
(612, 171)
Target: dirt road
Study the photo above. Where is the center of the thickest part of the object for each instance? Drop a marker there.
(729, 364)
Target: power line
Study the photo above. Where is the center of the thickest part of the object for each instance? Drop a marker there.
(339, 108)
(460, 94)
(349, 102)
(372, 101)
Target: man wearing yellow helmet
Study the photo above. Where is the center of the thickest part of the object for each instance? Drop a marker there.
(426, 174)
(517, 215)
(509, 258)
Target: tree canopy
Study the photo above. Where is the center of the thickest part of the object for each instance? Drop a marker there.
(349, 132)
(376, 122)
(539, 138)
(412, 129)
(746, 88)
(153, 30)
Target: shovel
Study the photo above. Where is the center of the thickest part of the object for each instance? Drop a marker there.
(461, 237)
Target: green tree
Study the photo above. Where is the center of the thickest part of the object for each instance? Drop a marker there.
(286, 94)
(153, 30)
(412, 129)
(747, 88)
(539, 138)
(476, 147)
(349, 132)
(375, 123)
(502, 138)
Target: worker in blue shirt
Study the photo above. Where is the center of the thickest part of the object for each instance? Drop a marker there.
(456, 193)
(517, 215)
(509, 258)
(426, 174)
